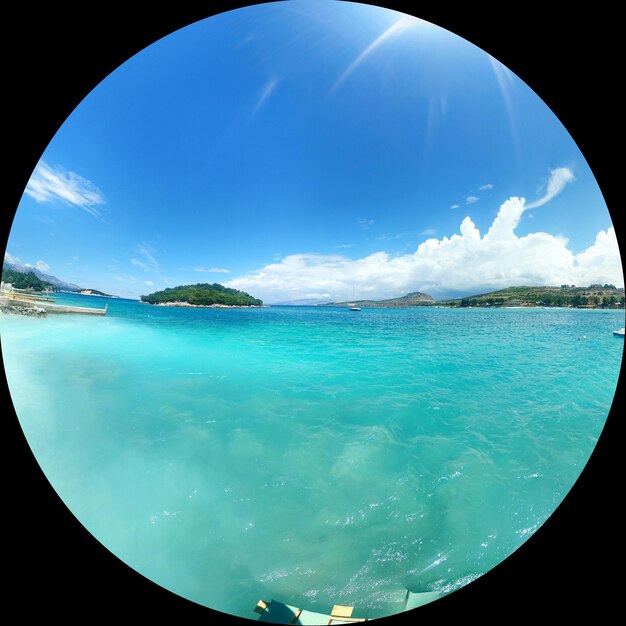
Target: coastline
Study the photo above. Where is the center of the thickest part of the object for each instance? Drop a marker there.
(209, 306)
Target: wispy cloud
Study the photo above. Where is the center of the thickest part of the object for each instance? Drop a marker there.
(345, 245)
(471, 199)
(148, 282)
(559, 177)
(465, 261)
(267, 91)
(428, 231)
(11, 259)
(455, 206)
(212, 270)
(486, 187)
(124, 279)
(147, 263)
(49, 184)
(365, 223)
(42, 266)
(141, 264)
(406, 21)
(404, 233)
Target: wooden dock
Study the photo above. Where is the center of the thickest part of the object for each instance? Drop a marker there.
(30, 297)
(64, 308)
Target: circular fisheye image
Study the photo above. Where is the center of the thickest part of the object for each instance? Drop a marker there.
(312, 312)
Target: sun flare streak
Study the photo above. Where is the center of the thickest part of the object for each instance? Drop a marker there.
(406, 21)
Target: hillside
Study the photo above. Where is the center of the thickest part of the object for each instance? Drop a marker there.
(201, 294)
(26, 277)
(53, 281)
(593, 296)
(411, 299)
(25, 280)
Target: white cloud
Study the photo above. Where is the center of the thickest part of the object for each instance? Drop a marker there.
(42, 266)
(455, 206)
(486, 187)
(212, 270)
(471, 199)
(464, 262)
(49, 184)
(11, 259)
(365, 223)
(559, 177)
(428, 231)
(148, 282)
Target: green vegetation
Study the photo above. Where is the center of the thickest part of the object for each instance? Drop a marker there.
(594, 296)
(202, 294)
(21, 280)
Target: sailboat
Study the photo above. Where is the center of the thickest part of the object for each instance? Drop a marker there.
(353, 307)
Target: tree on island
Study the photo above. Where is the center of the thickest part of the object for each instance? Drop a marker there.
(203, 294)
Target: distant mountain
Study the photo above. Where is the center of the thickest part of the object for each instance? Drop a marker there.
(300, 302)
(416, 298)
(46, 278)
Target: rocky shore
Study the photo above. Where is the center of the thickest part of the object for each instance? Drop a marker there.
(6, 306)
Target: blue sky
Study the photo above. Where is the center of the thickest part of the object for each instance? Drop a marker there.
(303, 149)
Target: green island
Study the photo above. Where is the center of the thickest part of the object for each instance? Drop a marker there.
(592, 297)
(202, 295)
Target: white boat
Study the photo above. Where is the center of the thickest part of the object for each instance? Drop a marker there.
(619, 333)
(353, 307)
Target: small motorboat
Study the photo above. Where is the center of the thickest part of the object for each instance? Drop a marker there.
(619, 333)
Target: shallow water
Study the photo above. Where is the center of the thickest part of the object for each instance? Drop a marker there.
(314, 456)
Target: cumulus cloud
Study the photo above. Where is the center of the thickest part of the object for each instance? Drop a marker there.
(559, 177)
(465, 262)
(471, 199)
(42, 266)
(49, 184)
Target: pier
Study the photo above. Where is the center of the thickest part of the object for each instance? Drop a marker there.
(46, 303)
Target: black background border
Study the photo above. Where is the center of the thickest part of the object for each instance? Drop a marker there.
(54, 55)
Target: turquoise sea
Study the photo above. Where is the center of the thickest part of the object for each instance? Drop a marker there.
(312, 455)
